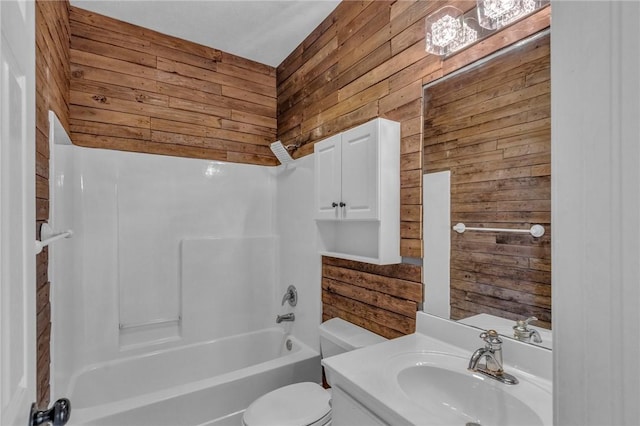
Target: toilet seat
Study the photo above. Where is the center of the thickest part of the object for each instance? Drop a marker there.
(300, 404)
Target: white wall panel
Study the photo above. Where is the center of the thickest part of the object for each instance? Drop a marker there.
(228, 286)
(595, 79)
(299, 262)
(131, 213)
(64, 269)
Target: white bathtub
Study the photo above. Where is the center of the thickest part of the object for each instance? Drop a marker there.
(205, 384)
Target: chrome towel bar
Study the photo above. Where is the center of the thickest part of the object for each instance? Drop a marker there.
(535, 230)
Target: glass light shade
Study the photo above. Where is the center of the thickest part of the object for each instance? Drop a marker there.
(495, 14)
(468, 35)
(443, 29)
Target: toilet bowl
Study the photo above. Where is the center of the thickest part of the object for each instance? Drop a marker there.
(309, 404)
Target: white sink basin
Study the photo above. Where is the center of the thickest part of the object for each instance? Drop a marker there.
(441, 384)
(422, 379)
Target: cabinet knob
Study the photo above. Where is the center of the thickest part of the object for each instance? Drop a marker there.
(342, 204)
(334, 204)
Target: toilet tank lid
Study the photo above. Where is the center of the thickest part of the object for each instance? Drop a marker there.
(348, 335)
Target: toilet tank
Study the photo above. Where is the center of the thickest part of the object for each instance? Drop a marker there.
(338, 336)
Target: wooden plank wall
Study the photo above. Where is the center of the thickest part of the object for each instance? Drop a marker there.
(491, 127)
(134, 89)
(383, 299)
(367, 60)
(52, 93)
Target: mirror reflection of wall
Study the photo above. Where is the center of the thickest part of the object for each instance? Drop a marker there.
(489, 127)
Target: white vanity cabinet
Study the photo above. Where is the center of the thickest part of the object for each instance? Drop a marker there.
(346, 411)
(357, 193)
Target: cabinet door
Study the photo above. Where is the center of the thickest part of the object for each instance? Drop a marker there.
(346, 411)
(360, 172)
(328, 164)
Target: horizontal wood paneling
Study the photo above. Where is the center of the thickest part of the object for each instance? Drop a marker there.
(134, 89)
(52, 93)
(383, 299)
(367, 60)
(491, 127)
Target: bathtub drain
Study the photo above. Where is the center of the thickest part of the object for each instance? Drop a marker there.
(289, 344)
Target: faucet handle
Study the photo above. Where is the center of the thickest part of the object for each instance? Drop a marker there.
(491, 337)
(523, 324)
(291, 296)
(521, 331)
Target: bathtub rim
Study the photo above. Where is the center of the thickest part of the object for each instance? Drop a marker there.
(170, 346)
(95, 412)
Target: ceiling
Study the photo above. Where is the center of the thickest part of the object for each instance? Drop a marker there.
(266, 31)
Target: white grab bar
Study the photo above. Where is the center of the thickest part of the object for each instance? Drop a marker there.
(48, 236)
(535, 230)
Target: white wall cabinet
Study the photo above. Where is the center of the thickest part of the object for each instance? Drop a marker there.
(347, 184)
(357, 184)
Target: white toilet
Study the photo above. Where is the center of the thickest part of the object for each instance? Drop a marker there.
(308, 404)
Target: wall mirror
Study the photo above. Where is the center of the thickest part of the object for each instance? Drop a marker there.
(487, 164)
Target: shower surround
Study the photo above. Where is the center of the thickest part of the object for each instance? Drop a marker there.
(169, 253)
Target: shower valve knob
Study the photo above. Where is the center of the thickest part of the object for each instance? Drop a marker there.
(290, 296)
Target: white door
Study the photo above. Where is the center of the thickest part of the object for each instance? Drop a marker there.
(17, 211)
(360, 172)
(328, 166)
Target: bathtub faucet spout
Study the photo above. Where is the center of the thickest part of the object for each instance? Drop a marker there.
(285, 317)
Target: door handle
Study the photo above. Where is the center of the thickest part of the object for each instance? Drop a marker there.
(58, 414)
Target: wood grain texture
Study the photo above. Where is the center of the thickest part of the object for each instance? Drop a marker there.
(52, 93)
(135, 89)
(490, 127)
(367, 60)
(383, 299)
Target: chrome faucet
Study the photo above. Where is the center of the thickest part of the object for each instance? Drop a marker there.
(286, 317)
(522, 332)
(492, 354)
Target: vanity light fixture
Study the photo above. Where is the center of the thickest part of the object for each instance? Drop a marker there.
(495, 14)
(470, 33)
(448, 31)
